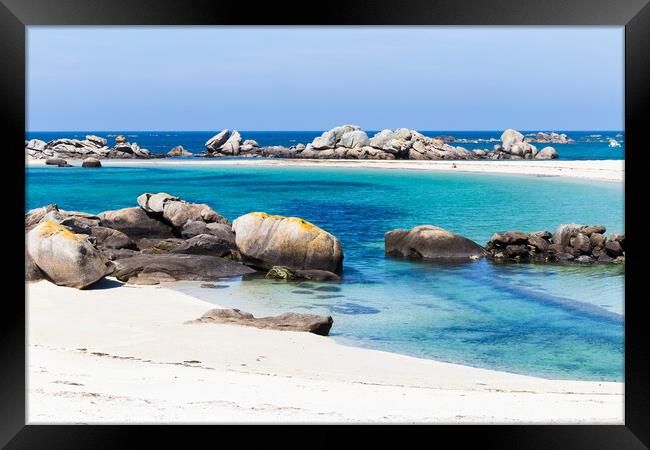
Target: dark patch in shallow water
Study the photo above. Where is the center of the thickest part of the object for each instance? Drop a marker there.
(328, 296)
(350, 308)
(301, 292)
(327, 289)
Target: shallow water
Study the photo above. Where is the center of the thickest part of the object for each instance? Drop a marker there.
(545, 320)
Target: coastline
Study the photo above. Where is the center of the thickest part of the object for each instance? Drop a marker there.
(118, 353)
(598, 170)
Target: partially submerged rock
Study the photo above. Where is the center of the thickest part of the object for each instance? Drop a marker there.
(310, 323)
(570, 243)
(66, 258)
(286, 274)
(266, 241)
(431, 242)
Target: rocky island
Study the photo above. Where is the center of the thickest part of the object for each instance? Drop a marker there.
(350, 142)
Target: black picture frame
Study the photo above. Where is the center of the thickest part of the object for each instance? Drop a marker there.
(634, 15)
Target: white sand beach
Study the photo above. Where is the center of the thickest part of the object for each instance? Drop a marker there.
(602, 170)
(122, 354)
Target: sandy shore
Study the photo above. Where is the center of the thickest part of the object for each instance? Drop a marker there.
(118, 354)
(603, 170)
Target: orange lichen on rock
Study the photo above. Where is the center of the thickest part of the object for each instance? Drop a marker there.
(50, 228)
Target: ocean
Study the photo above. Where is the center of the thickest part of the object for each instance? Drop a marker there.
(588, 145)
(561, 322)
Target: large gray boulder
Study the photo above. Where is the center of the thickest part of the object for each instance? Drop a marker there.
(266, 241)
(136, 223)
(178, 267)
(155, 203)
(514, 143)
(430, 242)
(353, 139)
(231, 146)
(563, 233)
(32, 272)
(206, 244)
(324, 141)
(547, 153)
(109, 238)
(216, 141)
(179, 150)
(310, 323)
(66, 258)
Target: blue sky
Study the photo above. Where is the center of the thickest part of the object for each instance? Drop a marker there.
(314, 78)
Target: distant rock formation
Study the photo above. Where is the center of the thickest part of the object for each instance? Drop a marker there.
(92, 146)
(350, 142)
(552, 138)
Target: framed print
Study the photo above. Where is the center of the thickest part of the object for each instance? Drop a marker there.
(378, 214)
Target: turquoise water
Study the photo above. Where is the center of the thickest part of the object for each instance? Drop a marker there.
(545, 320)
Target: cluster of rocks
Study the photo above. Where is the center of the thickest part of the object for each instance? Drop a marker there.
(167, 239)
(229, 143)
(350, 142)
(515, 146)
(571, 243)
(583, 244)
(92, 146)
(551, 138)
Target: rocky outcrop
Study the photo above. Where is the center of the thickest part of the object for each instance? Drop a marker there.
(136, 223)
(547, 153)
(92, 147)
(552, 138)
(178, 267)
(178, 151)
(178, 212)
(91, 162)
(226, 143)
(432, 243)
(350, 142)
(265, 241)
(570, 243)
(513, 146)
(153, 237)
(310, 323)
(64, 257)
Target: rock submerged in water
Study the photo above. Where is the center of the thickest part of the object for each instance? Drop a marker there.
(286, 274)
(431, 242)
(265, 241)
(310, 323)
(570, 243)
(66, 258)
